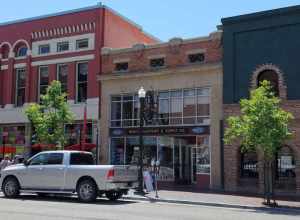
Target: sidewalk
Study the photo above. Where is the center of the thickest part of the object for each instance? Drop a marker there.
(211, 199)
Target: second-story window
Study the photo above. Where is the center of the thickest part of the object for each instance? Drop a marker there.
(157, 62)
(82, 44)
(43, 80)
(121, 67)
(62, 46)
(20, 86)
(62, 76)
(22, 52)
(44, 49)
(196, 58)
(82, 81)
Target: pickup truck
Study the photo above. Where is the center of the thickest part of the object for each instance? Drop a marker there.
(68, 172)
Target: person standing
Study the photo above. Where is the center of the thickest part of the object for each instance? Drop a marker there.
(5, 162)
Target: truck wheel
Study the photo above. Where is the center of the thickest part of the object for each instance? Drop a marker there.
(11, 187)
(87, 191)
(113, 195)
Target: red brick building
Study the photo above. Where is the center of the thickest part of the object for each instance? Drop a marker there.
(65, 46)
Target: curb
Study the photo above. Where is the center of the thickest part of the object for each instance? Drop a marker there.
(220, 205)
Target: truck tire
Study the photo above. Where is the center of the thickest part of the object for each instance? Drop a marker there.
(87, 191)
(113, 195)
(11, 187)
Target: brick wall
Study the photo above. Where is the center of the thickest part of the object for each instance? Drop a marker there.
(233, 182)
(175, 53)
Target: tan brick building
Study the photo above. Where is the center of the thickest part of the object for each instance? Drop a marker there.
(184, 78)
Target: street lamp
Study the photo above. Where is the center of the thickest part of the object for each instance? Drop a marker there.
(142, 95)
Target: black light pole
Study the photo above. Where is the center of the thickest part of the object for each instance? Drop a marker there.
(142, 95)
(97, 144)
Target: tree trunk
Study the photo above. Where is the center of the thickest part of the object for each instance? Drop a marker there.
(268, 170)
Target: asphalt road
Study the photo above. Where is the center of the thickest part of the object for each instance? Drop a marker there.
(31, 207)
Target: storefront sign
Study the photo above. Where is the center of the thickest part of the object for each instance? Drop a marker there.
(188, 130)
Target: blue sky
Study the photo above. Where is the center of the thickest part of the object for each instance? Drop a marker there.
(163, 18)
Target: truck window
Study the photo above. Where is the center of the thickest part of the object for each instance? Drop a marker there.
(81, 159)
(55, 159)
(39, 160)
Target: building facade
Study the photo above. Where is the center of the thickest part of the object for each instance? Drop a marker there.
(262, 46)
(183, 79)
(67, 47)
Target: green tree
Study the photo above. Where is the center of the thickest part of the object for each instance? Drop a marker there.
(262, 127)
(50, 116)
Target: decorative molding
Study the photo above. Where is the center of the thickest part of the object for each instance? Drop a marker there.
(64, 60)
(4, 67)
(60, 31)
(195, 51)
(156, 56)
(269, 66)
(72, 44)
(20, 65)
(121, 60)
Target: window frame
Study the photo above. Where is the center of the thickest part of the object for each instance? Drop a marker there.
(195, 54)
(121, 70)
(44, 45)
(19, 49)
(59, 44)
(57, 74)
(77, 69)
(157, 59)
(17, 88)
(39, 82)
(81, 41)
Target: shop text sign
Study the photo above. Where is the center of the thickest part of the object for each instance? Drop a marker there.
(190, 130)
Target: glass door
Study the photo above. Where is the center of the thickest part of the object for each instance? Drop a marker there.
(183, 165)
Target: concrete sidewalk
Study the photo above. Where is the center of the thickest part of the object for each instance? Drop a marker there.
(211, 199)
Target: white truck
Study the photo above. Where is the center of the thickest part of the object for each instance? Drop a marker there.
(68, 172)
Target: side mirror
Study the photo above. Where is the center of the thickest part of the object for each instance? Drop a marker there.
(26, 163)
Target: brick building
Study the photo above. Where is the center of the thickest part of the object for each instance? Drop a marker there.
(263, 45)
(184, 80)
(65, 46)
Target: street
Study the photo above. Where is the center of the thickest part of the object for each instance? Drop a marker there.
(30, 207)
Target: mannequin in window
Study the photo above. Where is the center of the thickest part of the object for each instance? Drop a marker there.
(270, 76)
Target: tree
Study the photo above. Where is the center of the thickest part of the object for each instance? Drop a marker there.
(261, 127)
(49, 117)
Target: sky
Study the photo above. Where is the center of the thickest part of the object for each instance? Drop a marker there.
(164, 19)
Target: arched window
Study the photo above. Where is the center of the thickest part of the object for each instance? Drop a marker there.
(270, 76)
(249, 165)
(5, 51)
(22, 51)
(285, 169)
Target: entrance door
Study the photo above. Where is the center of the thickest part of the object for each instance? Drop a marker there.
(183, 159)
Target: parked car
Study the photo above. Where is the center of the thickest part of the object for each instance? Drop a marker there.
(68, 172)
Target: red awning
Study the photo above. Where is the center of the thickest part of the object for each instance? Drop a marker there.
(83, 147)
(8, 149)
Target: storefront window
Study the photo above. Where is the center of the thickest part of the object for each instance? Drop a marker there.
(201, 155)
(117, 151)
(74, 133)
(132, 150)
(165, 156)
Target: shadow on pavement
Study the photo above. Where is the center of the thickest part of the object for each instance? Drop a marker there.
(69, 199)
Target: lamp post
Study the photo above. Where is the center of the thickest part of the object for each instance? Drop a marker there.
(142, 95)
(4, 135)
(97, 144)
